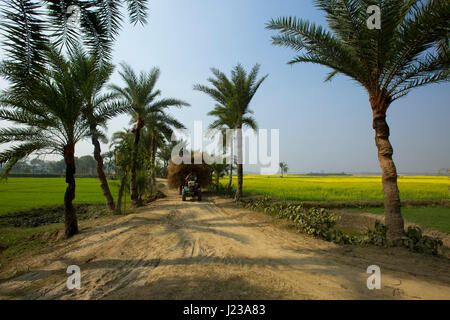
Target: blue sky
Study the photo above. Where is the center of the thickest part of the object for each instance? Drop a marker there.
(323, 126)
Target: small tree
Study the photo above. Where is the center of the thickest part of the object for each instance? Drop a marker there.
(122, 146)
(219, 170)
(282, 166)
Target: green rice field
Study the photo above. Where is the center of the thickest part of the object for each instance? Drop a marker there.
(17, 194)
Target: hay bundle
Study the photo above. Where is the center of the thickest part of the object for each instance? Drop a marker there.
(178, 173)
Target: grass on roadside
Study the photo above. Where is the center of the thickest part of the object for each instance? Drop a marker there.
(29, 230)
(17, 241)
(431, 217)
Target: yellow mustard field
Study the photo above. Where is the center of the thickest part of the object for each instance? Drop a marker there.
(343, 188)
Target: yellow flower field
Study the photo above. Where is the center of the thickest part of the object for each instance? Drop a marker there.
(343, 188)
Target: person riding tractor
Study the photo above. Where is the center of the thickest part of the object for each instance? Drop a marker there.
(192, 176)
(191, 188)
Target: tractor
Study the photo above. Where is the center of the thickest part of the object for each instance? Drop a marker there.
(191, 188)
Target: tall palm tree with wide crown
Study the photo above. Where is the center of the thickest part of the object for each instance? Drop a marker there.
(234, 96)
(48, 119)
(140, 95)
(409, 51)
(98, 107)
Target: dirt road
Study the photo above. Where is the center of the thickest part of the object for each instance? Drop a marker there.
(215, 250)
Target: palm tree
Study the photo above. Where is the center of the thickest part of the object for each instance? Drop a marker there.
(140, 94)
(235, 95)
(283, 167)
(108, 156)
(165, 153)
(226, 121)
(219, 170)
(286, 168)
(91, 77)
(48, 118)
(410, 50)
(122, 146)
(160, 127)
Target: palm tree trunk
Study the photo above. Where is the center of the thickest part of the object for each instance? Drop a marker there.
(101, 175)
(217, 179)
(392, 206)
(133, 184)
(230, 175)
(153, 177)
(70, 218)
(240, 169)
(166, 169)
(123, 180)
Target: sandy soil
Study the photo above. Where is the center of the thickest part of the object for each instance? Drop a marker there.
(215, 250)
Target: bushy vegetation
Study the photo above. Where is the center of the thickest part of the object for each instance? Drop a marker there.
(313, 221)
(416, 241)
(320, 223)
(434, 217)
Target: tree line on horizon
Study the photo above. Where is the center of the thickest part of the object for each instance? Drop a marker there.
(86, 166)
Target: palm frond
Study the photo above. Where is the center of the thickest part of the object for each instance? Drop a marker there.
(24, 44)
(167, 102)
(100, 22)
(11, 156)
(137, 10)
(410, 49)
(250, 122)
(318, 45)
